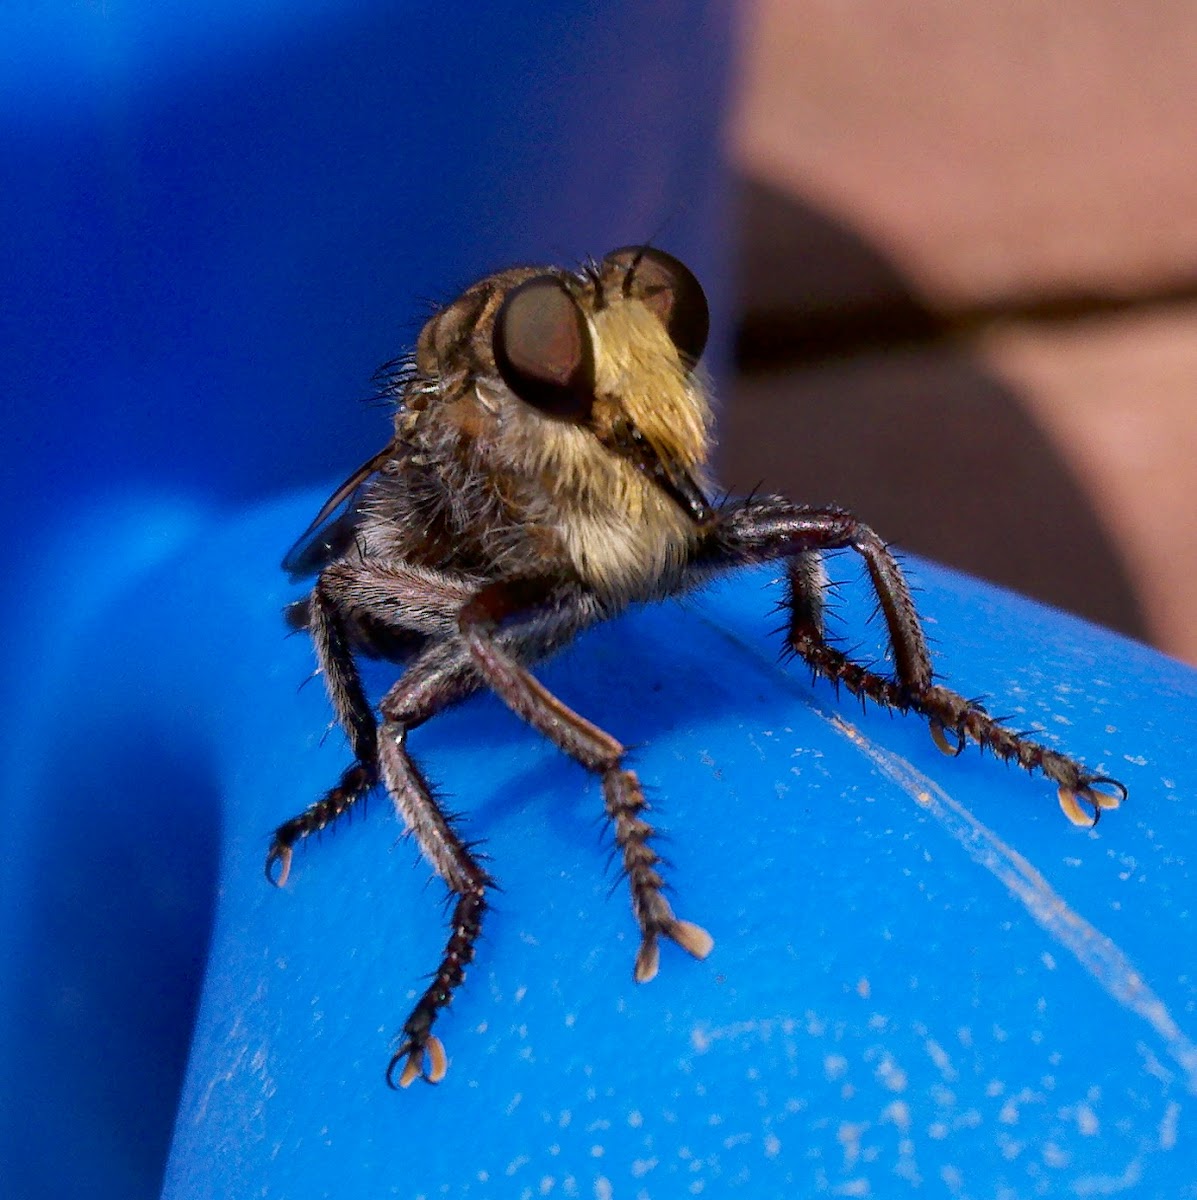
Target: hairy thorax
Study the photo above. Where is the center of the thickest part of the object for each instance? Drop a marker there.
(491, 484)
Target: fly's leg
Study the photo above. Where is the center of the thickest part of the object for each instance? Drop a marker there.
(442, 675)
(405, 602)
(483, 621)
(421, 1054)
(399, 602)
(353, 711)
(773, 527)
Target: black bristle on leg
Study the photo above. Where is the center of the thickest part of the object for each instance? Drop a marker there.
(773, 527)
(354, 783)
(421, 1053)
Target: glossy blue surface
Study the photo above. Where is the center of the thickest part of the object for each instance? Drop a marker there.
(923, 975)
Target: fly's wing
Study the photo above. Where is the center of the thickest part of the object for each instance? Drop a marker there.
(335, 525)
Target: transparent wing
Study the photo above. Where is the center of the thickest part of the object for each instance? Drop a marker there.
(334, 526)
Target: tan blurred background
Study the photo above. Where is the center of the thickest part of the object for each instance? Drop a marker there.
(969, 287)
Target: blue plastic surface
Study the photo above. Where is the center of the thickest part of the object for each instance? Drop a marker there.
(922, 974)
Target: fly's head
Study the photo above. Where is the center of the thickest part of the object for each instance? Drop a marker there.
(576, 397)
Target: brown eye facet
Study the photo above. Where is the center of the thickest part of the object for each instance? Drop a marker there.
(667, 286)
(542, 349)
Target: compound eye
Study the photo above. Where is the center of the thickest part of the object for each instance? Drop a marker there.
(542, 349)
(667, 286)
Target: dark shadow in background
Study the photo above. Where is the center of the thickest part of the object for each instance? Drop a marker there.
(850, 391)
(125, 874)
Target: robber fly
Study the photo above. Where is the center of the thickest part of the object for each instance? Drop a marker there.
(548, 468)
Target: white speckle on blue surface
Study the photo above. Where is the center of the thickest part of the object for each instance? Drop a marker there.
(1055, 1156)
(853, 1187)
(849, 1134)
(952, 1178)
(939, 1056)
(1109, 1185)
(835, 1066)
(1168, 1126)
(890, 1074)
(1086, 1120)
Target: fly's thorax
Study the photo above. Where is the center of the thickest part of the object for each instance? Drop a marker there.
(552, 492)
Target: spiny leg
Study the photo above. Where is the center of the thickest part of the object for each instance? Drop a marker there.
(421, 1052)
(400, 605)
(440, 676)
(504, 604)
(776, 528)
(348, 697)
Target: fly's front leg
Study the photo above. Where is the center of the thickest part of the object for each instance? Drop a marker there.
(773, 528)
(442, 675)
(487, 623)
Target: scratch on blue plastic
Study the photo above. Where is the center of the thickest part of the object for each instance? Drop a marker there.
(1096, 952)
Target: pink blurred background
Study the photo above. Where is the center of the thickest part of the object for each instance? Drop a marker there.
(969, 288)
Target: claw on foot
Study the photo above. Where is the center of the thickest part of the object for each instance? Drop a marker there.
(940, 737)
(648, 959)
(1099, 793)
(438, 1063)
(692, 938)
(282, 856)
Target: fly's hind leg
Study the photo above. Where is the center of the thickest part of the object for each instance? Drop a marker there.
(353, 711)
(398, 602)
(773, 527)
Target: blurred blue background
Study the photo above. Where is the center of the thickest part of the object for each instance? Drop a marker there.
(216, 221)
